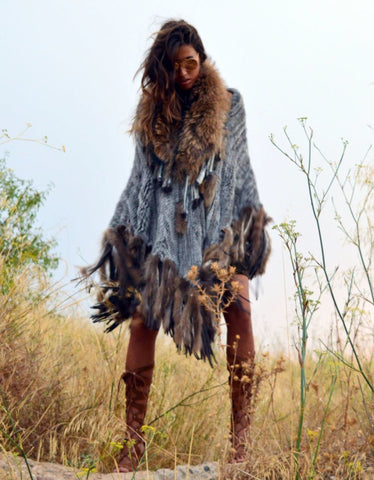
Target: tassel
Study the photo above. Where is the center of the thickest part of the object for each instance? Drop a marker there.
(210, 165)
(208, 189)
(184, 324)
(149, 293)
(178, 305)
(207, 337)
(164, 297)
(196, 197)
(181, 211)
(167, 186)
(180, 219)
(197, 323)
(171, 284)
(160, 175)
(185, 195)
(209, 185)
(201, 176)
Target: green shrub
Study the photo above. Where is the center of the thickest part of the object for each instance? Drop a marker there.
(21, 241)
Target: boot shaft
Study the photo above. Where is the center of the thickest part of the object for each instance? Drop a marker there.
(138, 384)
(241, 372)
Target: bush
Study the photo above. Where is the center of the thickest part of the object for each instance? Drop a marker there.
(21, 242)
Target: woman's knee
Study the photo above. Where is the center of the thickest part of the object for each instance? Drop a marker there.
(239, 323)
(139, 329)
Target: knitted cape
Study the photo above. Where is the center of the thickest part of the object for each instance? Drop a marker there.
(191, 202)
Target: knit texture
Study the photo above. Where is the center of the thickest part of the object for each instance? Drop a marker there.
(146, 257)
(151, 212)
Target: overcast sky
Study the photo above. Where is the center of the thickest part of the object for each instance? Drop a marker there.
(67, 66)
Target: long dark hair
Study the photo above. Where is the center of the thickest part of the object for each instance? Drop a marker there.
(158, 79)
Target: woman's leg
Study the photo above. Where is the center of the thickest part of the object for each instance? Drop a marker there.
(240, 361)
(240, 341)
(138, 379)
(141, 348)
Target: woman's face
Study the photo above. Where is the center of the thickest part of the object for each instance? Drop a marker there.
(186, 67)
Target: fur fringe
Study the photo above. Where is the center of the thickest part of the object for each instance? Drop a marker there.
(180, 219)
(208, 189)
(131, 279)
(185, 148)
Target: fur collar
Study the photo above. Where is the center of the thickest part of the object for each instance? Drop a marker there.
(185, 148)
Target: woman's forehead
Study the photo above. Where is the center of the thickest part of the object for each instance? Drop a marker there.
(185, 51)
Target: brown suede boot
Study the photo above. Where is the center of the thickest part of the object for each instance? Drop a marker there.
(240, 381)
(138, 384)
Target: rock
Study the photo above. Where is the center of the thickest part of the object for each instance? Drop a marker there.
(15, 468)
(206, 471)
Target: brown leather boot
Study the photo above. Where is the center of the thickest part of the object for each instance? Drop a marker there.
(240, 381)
(138, 384)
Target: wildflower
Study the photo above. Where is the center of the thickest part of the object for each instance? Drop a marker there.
(147, 428)
(222, 273)
(311, 433)
(192, 273)
(216, 288)
(356, 466)
(214, 266)
(232, 270)
(236, 286)
(202, 299)
(116, 445)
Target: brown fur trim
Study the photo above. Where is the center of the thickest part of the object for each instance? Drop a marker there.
(133, 281)
(185, 147)
(246, 245)
(162, 307)
(219, 253)
(150, 290)
(183, 329)
(252, 247)
(208, 189)
(196, 323)
(190, 324)
(120, 275)
(180, 219)
(180, 296)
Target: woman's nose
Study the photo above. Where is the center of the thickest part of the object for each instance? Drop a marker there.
(181, 71)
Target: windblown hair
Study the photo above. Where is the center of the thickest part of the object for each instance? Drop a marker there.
(158, 79)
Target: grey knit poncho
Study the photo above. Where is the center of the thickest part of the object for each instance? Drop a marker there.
(194, 207)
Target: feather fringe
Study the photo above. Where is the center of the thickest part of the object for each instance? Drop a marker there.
(131, 279)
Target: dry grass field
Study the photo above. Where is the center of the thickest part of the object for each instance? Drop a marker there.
(63, 401)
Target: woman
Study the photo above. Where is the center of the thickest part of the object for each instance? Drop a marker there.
(191, 201)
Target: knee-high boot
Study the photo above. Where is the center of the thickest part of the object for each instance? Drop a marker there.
(240, 380)
(138, 384)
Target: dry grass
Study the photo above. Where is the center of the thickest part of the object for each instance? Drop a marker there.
(60, 378)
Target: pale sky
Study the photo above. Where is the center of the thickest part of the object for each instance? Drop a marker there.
(67, 66)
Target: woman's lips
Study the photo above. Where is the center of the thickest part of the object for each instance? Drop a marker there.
(184, 81)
